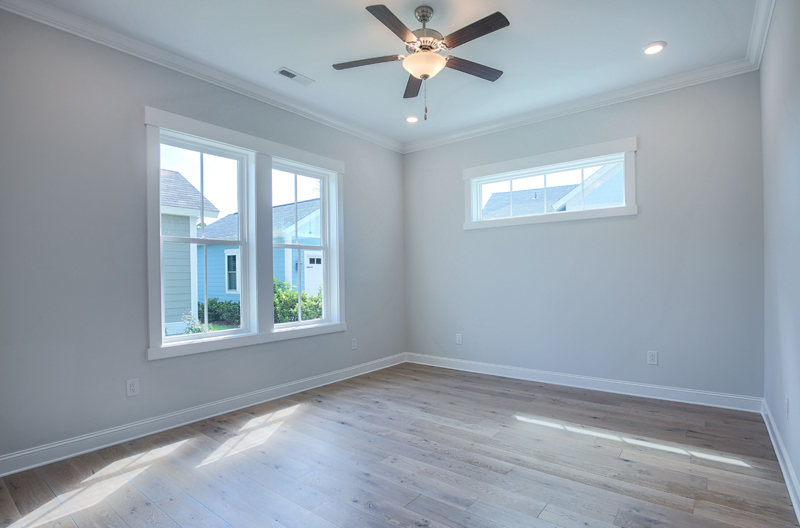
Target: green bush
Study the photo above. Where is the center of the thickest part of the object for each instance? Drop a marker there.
(227, 312)
(286, 303)
(222, 312)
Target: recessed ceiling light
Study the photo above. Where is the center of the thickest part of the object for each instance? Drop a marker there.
(412, 119)
(654, 47)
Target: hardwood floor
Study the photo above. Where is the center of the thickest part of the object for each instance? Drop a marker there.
(421, 446)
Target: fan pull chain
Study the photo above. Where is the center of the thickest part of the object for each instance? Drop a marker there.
(426, 99)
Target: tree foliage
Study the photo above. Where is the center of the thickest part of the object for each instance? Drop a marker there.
(286, 303)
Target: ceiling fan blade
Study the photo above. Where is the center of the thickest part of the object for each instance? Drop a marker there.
(366, 62)
(382, 13)
(477, 29)
(473, 68)
(412, 88)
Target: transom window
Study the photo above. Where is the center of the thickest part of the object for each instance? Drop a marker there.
(571, 189)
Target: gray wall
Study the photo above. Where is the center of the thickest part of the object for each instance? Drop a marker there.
(780, 106)
(684, 277)
(72, 241)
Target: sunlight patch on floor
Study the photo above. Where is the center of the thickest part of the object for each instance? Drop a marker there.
(633, 441)
(241, 443)
(281, 415)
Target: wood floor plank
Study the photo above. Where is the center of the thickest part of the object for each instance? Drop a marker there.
(414, 445)
(9, 513)
(189, 513)
(35, 501)
(370, 504)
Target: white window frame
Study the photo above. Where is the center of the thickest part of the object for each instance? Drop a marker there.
(236, 253)
(257, 206)
(474, 177)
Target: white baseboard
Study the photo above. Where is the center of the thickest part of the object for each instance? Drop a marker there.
(789, 474)
(46, 454)
(698, 397)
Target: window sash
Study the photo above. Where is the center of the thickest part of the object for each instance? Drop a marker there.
(244, 177)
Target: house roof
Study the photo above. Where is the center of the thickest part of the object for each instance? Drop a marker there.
(525, 202)
(225, 227)
(282, 215)
(176, 191)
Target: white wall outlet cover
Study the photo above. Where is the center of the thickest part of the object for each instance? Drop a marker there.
(132, 386)
(458, 339)
(652, 357)
(355, 343)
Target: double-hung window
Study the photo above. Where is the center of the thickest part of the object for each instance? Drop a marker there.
(584, 182)
(216, 280)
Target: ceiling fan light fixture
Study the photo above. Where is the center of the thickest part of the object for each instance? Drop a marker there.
(655, 47)
(424, 64)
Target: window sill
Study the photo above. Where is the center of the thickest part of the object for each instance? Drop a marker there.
(212, 344)
(625, 210)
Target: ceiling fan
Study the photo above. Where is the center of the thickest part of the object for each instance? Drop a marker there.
(424, 46)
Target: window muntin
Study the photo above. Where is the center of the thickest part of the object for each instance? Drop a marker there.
(201, 189)
(299, 235)
(574, 186)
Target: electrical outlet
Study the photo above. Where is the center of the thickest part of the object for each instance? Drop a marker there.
(355, 343)
(132, 385)
(786, 407)
(652, 357)
(458, 339)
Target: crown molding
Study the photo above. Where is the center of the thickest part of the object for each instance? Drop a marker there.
(59, 19)
(668, 84)
(758, 33)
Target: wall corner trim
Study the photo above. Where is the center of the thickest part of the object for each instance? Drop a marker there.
(789, 474)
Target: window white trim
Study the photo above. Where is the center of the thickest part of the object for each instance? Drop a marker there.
(540, 164)
(235, 253)
(259, 198)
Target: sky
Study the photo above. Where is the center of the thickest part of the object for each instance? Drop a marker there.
(220, 178)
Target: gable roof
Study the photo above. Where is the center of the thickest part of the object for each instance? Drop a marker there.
(526, 202)
(282, 215)
(225, 227)
(176, 191)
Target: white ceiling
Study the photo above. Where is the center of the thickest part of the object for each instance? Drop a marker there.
(558, 55)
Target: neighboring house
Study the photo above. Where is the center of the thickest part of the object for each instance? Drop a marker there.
(285, 263)
(180, 211)
(604, 188)
(185, 275)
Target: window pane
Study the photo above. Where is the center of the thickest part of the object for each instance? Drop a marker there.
(283, 208)
(312, 275)
(496, 199)
(286, 270)
(224, 302)
(180, 191)
(221, 192)
(559, 185)
(527, 196)
(605, 187)
(308, 210)
(182, 278)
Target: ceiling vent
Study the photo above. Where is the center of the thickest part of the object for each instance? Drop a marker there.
(294, 76)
